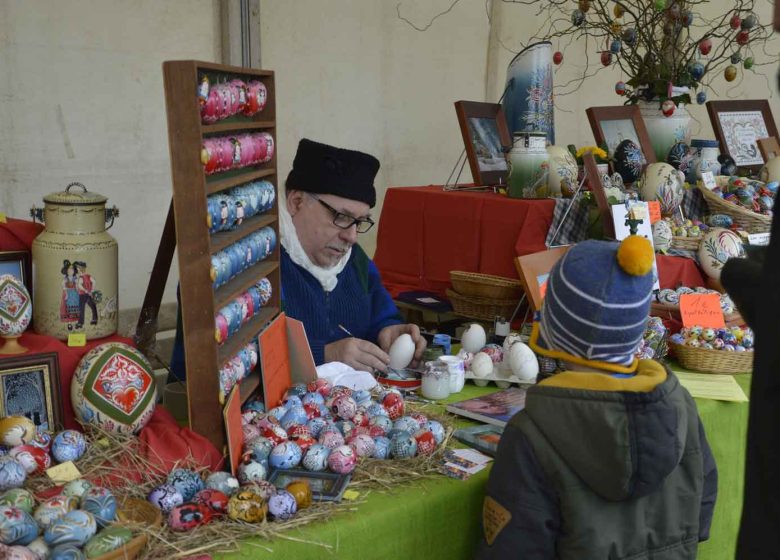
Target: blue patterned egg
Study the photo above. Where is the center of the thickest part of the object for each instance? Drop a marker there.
(165, 497)
(12, 473)
(252, 471)
(18, 498)
(313, 398)
(17, 526)
(54, 508)
(76, 488)
(381, 448)
(383, 421)
(277, 412)
(294, 415)
(17, 552)
(396, 433)
(406, 423)
(677, 338)
(316, 426)
(259, 448)
(75, 527)
(187, 482)
(222, 481)
(403, 447)
(255, 405)
(101, 503)
(375, 409)
(316, 458)
(40, 548)
(362, 397)
(297, 390)
(286, 455)
(629, 161)
(282, 505)
(67, 552)
(108, 540)
(680, 157)
(720, 220)
(345, 427)
(747, 340)
(438, 431)
(69, 445)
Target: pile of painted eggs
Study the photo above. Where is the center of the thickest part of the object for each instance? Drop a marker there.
(668, 296)
(221, 153)
(481, 358)
(226, 211)
(733, 339)
(749, 194)
(226, 99)
(241, 309)
(688, 228)
(237, 368)
(652, 345)
(72, 524)
(237, 257)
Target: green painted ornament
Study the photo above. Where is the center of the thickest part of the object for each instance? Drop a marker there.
(730, 73)
(748, 64)
(577, 18)
(107, 540)
(660, 5)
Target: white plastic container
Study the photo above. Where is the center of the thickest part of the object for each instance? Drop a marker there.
(435, 381)
(457, 369)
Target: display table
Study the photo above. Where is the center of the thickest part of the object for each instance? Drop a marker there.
(440, 518)
(425, 232)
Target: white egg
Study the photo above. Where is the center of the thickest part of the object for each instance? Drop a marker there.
(474, 338)
(510, 339)
(401, 352)
(523, 362)
(482, 365)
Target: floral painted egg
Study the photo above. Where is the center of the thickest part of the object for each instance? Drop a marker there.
(18, 498)
(187, 482)
(12, 473)
(251, 471)
(16, 526)
(68, 445)
(562, 174)
(381, 448)
(19, 552)
(301, 491)
(282, 505)
(16, 430)
(717, 246)
(40, 549)
(108, 540)
(346, 427)
(67, 552)
(75, 527)
(262, 488)
(259, 448)
(15, 306)
(381, 421)
(344, 407)
(680, 157)
(215, 500)
(188, 516)
(321, 386)
(662, 182)
(331, 439)
(403, 447)
(42, 440)
(54, 508)
(316, 426)
(113, 387)
(495, 352)
(77, 488)
(394, 404)
(246, 506)
(362, 444)
(34, 459)
(342, 460)
(426, 443)
(629, 161)
(316, 458)
(275, 433)
(101, 503)
(222, 481)
(662, 236)
(165, 497)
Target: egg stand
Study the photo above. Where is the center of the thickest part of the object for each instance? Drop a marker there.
(12, 346)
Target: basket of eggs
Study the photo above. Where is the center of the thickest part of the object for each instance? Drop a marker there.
(748, 202)
(708, 350)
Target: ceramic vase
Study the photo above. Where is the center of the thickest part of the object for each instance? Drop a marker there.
(664, 131)
(528, 95)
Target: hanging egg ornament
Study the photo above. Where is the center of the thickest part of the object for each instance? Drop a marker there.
(188, 516)
(618, 10)
(749, 22)
(606, 58)
(668, 107)
(730, 73)
(660, 5)
(615, 46)
(705, 46)
(282, 505)
(557, 57)
(247, 506)
(69, 445)
(743, 38)
(165, 497)
(629, 36)
(577, 18)
(696, 70)
(583, 5)
(736, 58)
(735, 22)
(686, 18)
(701, 98)
(616, 28)
(748, 64)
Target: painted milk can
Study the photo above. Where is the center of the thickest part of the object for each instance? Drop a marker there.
(528, 166)
(75, 265)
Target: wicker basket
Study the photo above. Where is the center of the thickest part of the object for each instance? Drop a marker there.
(752, 222)
(481, 308)
(134, 511)
(712, 361)
(686, 243)
(474, 284)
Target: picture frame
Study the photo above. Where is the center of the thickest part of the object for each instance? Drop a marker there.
(597, 188)
(30, 386)
(769, 148)
(738, 124)
(612, 125)
(486, 139)
(533, 271)
(19, 264)
(325, 486)
(483, 438)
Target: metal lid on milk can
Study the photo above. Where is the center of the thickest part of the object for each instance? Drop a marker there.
(530, 139)
(75, 194)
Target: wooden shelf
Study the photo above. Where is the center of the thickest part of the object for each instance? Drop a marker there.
(238, 177)
(249, 331)
(242, 126)
(233, 70)
(222, 239)
(249, 384)
(241, 283)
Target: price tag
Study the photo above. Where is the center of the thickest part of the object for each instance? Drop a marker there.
(701, 309)
(64, 472)
(758, 238)
(709, 180)
(77, 339)
(351, 495)
(654, 208)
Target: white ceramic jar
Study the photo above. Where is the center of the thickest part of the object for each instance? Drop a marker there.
(435, 381)
(457, 369)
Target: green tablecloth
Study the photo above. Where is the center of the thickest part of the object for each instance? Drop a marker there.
(440, 518)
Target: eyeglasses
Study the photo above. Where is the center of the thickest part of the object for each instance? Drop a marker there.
(345, 221)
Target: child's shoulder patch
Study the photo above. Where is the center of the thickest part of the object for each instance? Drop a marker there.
(494, 518)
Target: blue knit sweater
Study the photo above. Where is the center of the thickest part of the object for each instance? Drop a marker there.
(359, 302)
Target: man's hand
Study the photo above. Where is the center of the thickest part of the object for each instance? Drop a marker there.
(358, 354)
(388, 335)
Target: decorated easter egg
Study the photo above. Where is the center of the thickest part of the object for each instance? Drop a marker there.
(316, 458)
(406, 423)
(101, 503)
(165, 497)
(188, 516)
(15, 306)
(247, 506)
(215, 500)
(437, 429)
(523, 362)
(495, 352)
(321, 386)
(223, 482)
(75, 527)
(187, 482)
(16, 526)
(562, 175)
(720, 220)
(68, 445)
(316, 425)
(18, 552)
(394, 404)
(382, 422)
(344, 407)
(12, 473)
(426, 443)
(67, 552)
(113, 387)
(39, 548)
(251, 471)
(629, 160)
(331, 438)
(295, 415)
(282, 505)
(403, 447)
(18, 498)
(342, 460)
(382, 447)
(662, 236)
(34, 459)
(474, 338)
(16, 430)
(76, 488)
(482, 365)
(54, 508)
(301, 491)
(108, 540)
(717, 246)
(401, 351)
(286, 455)
(363, 445)
(662, 182)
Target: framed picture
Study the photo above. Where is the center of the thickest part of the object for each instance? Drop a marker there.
(325, 486)
(485, 136)
(738, 125)
(596, 182)
(30, 386)
(534, 269)
(483, 438)
(612, 125)
(18, 264)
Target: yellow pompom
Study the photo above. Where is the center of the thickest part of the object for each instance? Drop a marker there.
(635, 255)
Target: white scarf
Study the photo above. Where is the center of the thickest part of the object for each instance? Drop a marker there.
(327, 277)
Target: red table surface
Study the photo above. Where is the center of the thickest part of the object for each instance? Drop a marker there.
(425, 232)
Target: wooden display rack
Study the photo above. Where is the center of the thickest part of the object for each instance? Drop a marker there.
(186, 226)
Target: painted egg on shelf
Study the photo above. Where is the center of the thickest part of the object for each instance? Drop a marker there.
(316, 458)
(17, 527)
(18, 498)
(68, 445)
(717, 246)
(401, 351)
(223, 481)
(165, 497)
(75, 527)
(286, 455)
(246, 506)
(108, 540)
(76, 488)
(342, 459)
(523, 362)
(187, 482)
(16, 430)
(662, 236)
(188, 516)
(562, 174)
(282, 505)
(54, 508)
(474, 338)
(629, 161)
(101, 503)
(15, 306)
(12, 473)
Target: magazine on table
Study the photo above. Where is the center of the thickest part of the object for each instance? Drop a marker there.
(496, 408)
(484, 438)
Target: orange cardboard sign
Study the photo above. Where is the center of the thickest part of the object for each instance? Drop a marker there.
(275, 361)
(701, 309)
(233, 427)
(654, 208)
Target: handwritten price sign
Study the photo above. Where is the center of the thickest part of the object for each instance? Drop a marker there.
(701, 309)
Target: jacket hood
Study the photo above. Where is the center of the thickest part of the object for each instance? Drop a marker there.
(621, 436)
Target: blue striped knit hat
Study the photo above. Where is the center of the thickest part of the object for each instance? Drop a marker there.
(596, 306)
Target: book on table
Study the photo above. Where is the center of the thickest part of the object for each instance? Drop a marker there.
(495, 408)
